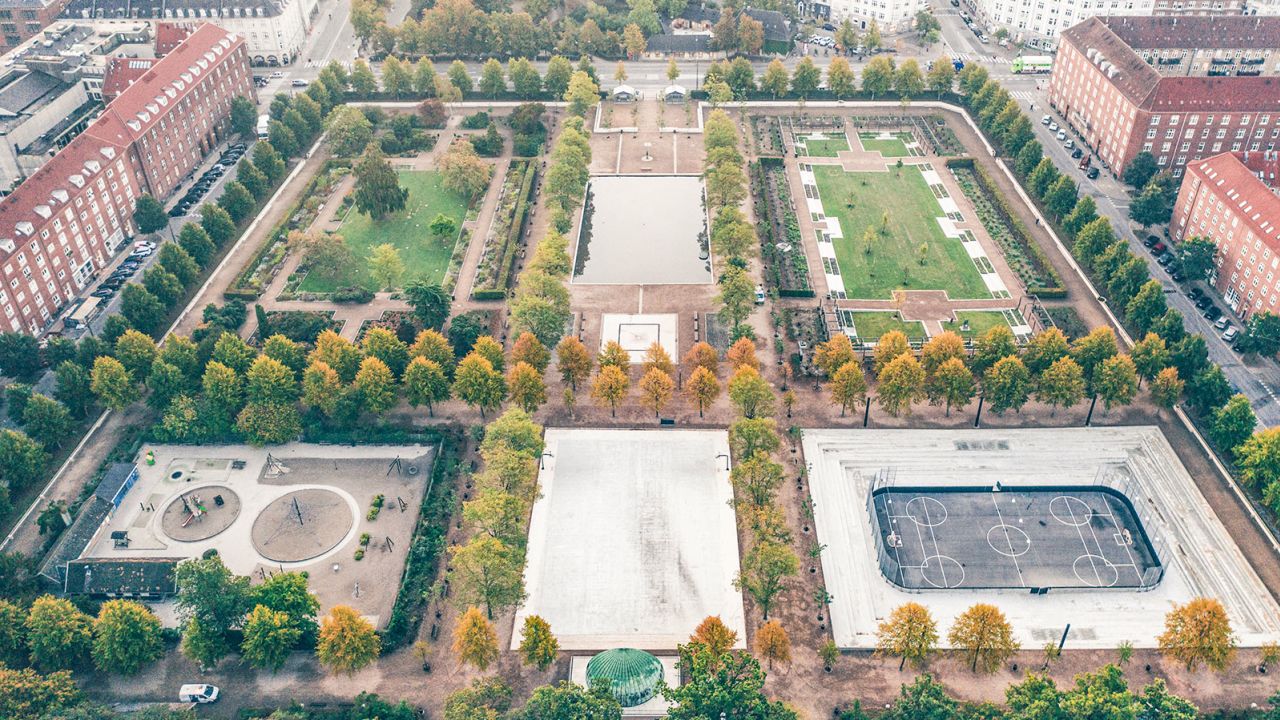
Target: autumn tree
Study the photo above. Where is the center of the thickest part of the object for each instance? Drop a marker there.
(126, 636)
(525, 384)
(462, 170)
(475, 641)
(269, 637)
(347, 641)
(59, 636)
(527, 348)
(951, 384)
(756, 478)
(772, 643)
(848, 385)
(751, 393)
(610, 387)
(765, 570)
(901, 385)
(910, 633)
(478, 384)
(702, 388)
(1199, 632)
(889, 347)
(1007, 385)
(834, 354)
(983, 633)
(613, 354)
(425, 383)
(704, 356)
(713, 633)
(538, 647)
(1117, 381)
(742, 352)
(1061, 384)
(573, 361)
(656, 389)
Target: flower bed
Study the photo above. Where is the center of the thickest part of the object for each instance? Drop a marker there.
(781, 248)
(298, 325)
(497, 259)
(766, 134)
(390, 320)
(1024, 257)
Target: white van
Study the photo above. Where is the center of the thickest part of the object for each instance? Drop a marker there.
(198, 693)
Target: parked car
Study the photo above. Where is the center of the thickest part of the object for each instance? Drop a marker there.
(1151, 240)
(1204, 302)
(198, 693)
(1046, 120)
(1077, 154)
(1159, 247)
(1213, 313)
(102, 293)
(299, 83)
(1222, 324)
(277, 74)
(1062, 135)
(1092, 173)
(1177, 276)
(759, 294)
(1069, 144)
(1053, 126)
(1165, 259)
(1195, 293)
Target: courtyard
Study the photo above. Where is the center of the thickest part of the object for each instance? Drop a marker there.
(633, 540)
(643, 230)
(1152, 542)
(423, 254)
(889, 144)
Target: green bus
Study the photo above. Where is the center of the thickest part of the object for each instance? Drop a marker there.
(1032, 64)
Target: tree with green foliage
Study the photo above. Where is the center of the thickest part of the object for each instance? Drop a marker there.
(1116, 381)
(210, 601)
(1167, 388)
(268, 638)
(582, 93)
(950, 384)
(751, 393)
(349, 131)
(729, 684)
(477, 383)
(237, 201)
(538, 647)
(1151, 207)
(244, 116)
(1197, 256)
(46, 420)
(149, 215)
(1140, 170)
(196, 242)
(29, 695)
(74, 387)
(1262, 333)
(878, 76)
(217, 224)
(1232, 424)
(377, 192)
(126, 637)
(1007, 385)
(112, 384)
(923, 699)
(141, 309)
(425, 383)
(766, 568)
(900, 385)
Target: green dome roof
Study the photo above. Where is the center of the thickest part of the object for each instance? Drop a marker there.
(633, 675)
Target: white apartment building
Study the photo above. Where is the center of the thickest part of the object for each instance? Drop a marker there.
(891, 15)
(1038, 22)
(275, 31)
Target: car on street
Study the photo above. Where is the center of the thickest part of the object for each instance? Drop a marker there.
(1077, 154)
(1151, 240)
(1195, 293)
(1213, 313)
(277, 74)
(1222, 324)
(1092, 173)
(759, 294)
(1046, 120)
(1069, 144)
(1062, 135)
(1053, 126)
(102, 293)
(1204, 302)
(1177, 276)
(1164, 259)
(1159, 247)
(298, 83)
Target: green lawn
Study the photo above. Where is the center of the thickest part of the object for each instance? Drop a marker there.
(825, 147)
(980, 321)
(870, 326)
(860, 200)
(423, 255)
(893, 147)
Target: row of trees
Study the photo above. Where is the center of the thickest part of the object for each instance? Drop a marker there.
(1197, 632)
(736, 79)
(733, 236)
(1138, 299)
(1049, 368)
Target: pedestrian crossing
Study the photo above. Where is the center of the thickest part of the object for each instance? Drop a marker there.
(981, 59)
(1025, 95)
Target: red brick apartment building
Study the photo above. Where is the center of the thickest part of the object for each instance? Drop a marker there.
(21, 19)
(1181, 88)
(1224, 201)
(65, 221)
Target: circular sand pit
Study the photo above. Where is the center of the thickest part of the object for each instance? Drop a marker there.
(201, 513)
(302, 525)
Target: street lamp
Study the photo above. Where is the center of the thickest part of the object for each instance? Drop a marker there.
(542, 462)
(726, 459)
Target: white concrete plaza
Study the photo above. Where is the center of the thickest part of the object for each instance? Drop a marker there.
(632, 542)
(1198, 553)
(635, 333)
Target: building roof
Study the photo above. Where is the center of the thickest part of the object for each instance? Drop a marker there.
(683, 43)
(633, 675)
(1248, 197)
(113, 481)
(776, 28)
(75, 540)
(122, 72)
(1097, 39)
(176, 9)
(674, 90)
(27, 89)
(170, 35)
(110, 576)
(1205, 32)
(142, 104)
(624, 90)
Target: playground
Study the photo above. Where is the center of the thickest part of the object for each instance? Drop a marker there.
(295, 507)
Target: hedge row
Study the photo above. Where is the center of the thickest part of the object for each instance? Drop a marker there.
(500, 279)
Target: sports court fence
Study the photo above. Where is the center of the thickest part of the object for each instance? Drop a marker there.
(1107, 477)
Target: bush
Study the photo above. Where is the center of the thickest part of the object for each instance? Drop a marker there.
(299, 325)
(354, 294)
(476, 121)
